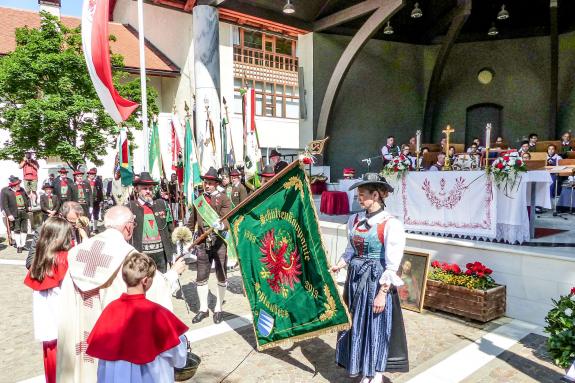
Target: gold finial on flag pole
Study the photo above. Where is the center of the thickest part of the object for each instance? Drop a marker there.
(447, 131)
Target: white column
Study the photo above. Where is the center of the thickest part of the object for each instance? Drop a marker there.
(207, 80)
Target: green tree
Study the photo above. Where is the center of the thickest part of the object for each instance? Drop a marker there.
(48, 102)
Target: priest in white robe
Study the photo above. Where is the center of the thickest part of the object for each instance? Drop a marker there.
(91, 283)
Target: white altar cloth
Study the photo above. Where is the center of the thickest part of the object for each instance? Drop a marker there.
(466, 204)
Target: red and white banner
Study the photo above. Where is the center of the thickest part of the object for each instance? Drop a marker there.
(95, 43)
(176, 147)
(250, 110)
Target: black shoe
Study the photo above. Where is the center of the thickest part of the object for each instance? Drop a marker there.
(19, 250)
(218, 317)
(25, 248)
(200, 316)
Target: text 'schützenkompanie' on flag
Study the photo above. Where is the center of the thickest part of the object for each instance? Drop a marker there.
(284, 268)
(96, 47)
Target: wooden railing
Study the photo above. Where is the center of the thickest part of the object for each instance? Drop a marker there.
(265, 59)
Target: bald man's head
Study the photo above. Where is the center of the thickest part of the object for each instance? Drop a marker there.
(122, 219)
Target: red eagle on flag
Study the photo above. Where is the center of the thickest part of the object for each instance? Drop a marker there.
(282, 271)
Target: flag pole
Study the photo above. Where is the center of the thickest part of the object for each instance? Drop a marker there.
(143, 85)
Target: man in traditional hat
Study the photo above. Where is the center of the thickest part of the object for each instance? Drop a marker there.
(213, 249)
(63, 185)
(96, 196)
(49, 202)
(81, 192)
(267, 174)
(239, 191)
(15, 204)
(277, 162)
(153, 232)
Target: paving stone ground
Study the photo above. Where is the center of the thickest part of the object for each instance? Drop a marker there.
(231, 357)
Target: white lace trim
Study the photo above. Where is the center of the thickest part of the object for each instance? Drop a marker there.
(509, 233)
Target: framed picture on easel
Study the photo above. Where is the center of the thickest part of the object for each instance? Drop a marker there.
(413, 272)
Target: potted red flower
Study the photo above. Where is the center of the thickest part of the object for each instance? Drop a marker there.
(472, 293)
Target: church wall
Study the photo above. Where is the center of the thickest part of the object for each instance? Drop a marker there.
(566, 117)
(383, 94)
(521, 85)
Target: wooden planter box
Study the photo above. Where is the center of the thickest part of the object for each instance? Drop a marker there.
(478, 305)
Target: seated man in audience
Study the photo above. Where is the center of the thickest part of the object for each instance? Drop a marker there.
(524, 148)
(526, 156)
(451, 154)
(533, 141)
(412, 142)
(442, 144)
(477, 143)
(552, 160)
(405, 150)
(566, 143)
(499, 142)
(438, 166)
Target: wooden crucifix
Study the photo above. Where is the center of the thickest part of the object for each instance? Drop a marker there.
(447, 131)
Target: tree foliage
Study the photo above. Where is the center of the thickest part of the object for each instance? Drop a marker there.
(48, 102)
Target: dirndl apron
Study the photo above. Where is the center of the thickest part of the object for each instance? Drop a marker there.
(375, 342)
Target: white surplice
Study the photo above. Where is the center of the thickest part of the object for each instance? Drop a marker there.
(160, 370)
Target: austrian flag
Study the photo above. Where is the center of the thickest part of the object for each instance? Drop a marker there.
(95, 44)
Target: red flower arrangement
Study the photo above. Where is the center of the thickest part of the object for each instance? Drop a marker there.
(477, 275)
(573, 291)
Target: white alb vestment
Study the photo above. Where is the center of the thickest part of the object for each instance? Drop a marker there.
(161, 370)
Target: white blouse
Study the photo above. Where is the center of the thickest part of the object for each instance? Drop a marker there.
(394, 243)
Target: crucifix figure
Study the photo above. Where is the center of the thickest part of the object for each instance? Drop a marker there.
(447, 131)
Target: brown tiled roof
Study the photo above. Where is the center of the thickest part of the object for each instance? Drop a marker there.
(126, 42)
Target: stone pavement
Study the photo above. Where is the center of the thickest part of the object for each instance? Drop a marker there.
(229, 356)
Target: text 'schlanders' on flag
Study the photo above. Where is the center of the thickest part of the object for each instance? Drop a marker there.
(284, 268)
(96, 47)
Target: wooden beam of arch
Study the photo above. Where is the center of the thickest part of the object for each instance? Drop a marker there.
(459, 19)
(367, 30)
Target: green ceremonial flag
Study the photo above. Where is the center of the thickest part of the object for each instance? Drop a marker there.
(155, 158)
(210, 217)
(284, 268)
(191, 165)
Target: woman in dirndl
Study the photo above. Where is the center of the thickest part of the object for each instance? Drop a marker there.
(376, 341)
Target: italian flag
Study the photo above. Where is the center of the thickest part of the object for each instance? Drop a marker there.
(124, 159)
(252, 152)
(95, 44)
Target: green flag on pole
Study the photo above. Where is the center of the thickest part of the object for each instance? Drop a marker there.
(284, 268)
(155, 157)
(191, 165)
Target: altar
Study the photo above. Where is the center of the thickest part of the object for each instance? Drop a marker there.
(468, 204)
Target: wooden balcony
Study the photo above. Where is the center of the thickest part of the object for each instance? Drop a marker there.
(265, 59)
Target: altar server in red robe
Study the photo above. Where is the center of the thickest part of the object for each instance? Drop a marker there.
(135, 339)
(45, 277)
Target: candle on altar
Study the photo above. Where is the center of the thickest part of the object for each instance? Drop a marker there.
(418, 141)
(488, 136)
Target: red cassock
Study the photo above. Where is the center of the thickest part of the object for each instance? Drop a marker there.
(135, 330)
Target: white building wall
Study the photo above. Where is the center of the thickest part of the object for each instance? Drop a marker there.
(305, 55)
